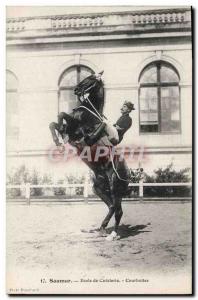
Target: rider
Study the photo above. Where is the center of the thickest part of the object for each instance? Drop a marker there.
(115, 133)
(108, 134)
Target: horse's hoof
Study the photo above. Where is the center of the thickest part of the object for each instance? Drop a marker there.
(112, 237)
(102, 232)
(61, 148)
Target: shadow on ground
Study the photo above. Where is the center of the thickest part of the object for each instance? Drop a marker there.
(124, 231)
(127, 230)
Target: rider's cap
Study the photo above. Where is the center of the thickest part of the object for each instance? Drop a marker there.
(130, 105)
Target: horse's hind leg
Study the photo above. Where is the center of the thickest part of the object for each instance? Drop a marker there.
(110, 205)
(118, 213)
(106, 220)
(117, 203)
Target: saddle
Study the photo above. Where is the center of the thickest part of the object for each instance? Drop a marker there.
(93, 137)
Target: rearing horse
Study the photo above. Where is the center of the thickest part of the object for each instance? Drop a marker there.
(85, 126)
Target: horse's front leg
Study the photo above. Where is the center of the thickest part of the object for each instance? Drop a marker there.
(53, 128)
(63, 116)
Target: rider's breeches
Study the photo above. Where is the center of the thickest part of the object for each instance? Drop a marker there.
(112, 133)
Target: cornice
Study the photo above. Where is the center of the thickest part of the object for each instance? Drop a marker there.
(178, 19)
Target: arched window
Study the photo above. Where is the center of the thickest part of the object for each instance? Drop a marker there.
(12, 105)
(67, 82)
(159, 98)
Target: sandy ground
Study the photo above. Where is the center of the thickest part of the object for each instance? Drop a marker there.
(155, 237)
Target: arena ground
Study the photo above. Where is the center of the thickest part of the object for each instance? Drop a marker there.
(154, 237)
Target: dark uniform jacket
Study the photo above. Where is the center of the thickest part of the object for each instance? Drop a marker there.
(124, 122)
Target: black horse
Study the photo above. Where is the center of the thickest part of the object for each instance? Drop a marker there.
(85, 126)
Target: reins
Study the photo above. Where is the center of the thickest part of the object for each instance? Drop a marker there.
(82, 106)
(97, 112)
(114, 168)
(98, 116)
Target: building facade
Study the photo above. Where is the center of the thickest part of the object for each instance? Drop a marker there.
(146, 56)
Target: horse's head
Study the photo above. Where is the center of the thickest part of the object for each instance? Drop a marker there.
(94, 88)
(88, 115)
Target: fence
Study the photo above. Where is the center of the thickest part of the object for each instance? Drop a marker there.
(86, 185)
